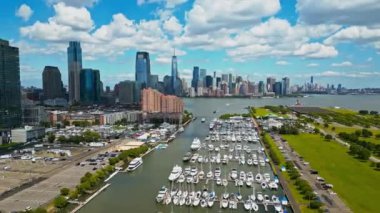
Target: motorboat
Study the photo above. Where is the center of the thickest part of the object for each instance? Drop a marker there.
(233, 174)
(196, 145)
(248, 183)
(176, 172)
(264, 185)
(209, 175)
(210, 201)
(217, 172)
(284, 201)
(176, 200)
(134, 164)
(200, 159)
(266, 198)
(194, 171)
(259, 178)
(224, 203)
(275, 199)
(201, 174)
(273, 185)
(181, 178)
(187, 157)
(248, 205)
(182, 201)
(260, 197)
(187, 170)
(278, 207)
(250, 162)
(203, 120)
(161, 194)
(255, 207)
(218, 181)
(224, 182)
(168, 199)
(196, 201)
(242, 176)
(266, 177)
(203, 203)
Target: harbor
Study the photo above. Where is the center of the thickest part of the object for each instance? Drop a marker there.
(227, 169)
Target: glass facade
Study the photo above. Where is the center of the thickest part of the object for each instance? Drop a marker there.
(194, 82)
(10, 95)
(74, 61)
(89, 86)
(52, 83)
(143, 69)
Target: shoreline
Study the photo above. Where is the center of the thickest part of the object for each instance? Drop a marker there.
(90, 198)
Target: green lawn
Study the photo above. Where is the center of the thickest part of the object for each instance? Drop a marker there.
(348, 129)
(342, 110)
(297, 196)
(260, 112)
(354, 181)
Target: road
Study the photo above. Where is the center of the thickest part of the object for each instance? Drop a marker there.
(331, 201)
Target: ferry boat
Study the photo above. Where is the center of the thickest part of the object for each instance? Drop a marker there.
(196, 144)
(134, 164)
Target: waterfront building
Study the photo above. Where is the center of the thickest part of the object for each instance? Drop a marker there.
(10, 89)
(194, 81)
(156, 102)
(277, 88)
(270, 84)
(52, 83)
(285, 86)
(143, 69)
(74, 61)
(127, 92)
(261, 87)
(209, 81)
(89, 86)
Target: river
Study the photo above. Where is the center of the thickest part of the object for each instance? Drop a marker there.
(136, 191)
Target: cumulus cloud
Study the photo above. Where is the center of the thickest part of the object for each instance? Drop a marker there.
(24, 12)
(316, 50)
(282, 63)
(172, 26)
(353, 74)
(207, 16)
(75, 3)
(343, 64)
(352, 12)
(312, 65)
(170, 4)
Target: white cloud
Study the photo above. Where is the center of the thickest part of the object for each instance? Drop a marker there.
(282, 63)
(208, 16)
(170, 4)
(24, 12)
(343, 64)
(173, 26)
(358, 34)
(316, 50)
(369, 59)
(352, 12)
(312, 65)
(75, 3)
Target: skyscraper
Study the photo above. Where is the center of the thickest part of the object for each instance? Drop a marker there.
(285, 86)
(261, 87)
(89, 86)
(202, 76)
(225, 77)
(143, 69)
(270, 84)
(127, 92)
(209, 81)
(194, 81)
(74, 61)
(277, 88)
(10, 95)
(174, 73)
(312, 80)
(154, 81)
(52, 83)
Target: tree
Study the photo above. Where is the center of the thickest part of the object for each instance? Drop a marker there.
(377, 136)
(364, 154)
(60, 202)
(366, 133)
(374, 112)
(316, 131)
(326, 125)
(363, 112)
(333, 128)
(65, 191)
(51, 138)
(328, 137)
(315, 204)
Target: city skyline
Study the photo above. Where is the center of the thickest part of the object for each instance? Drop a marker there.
(278, 40)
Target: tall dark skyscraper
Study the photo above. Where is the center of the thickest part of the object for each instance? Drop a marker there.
(261, 87)
(175, 76)
(312, 80)
(154, 81)
(52, 83)
(127, 92)
(277, 88)
(10, 94)
(285, 86)
(209, 80)
(74, 61)
(194, 81)
(90, 86)
(270, 84)
(142, 69)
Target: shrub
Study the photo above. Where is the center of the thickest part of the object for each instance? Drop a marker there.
(60, 202)
(65, 191)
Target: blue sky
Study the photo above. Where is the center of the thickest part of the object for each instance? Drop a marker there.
(336, 41)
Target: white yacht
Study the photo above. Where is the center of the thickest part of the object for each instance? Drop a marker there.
(134, 164)
(176, 172)
(196, 144)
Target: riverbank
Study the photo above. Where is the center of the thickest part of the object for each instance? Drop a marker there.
(91, 197)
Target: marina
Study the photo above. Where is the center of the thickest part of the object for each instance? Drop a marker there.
(227, 169)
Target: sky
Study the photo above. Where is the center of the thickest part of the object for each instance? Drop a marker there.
(336, 41)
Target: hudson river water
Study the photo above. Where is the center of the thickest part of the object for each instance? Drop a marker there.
(136, 191)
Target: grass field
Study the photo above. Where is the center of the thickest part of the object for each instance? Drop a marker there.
(354, 181)
(260, 112)
(340, 128)
(342, 110)
(297, 196)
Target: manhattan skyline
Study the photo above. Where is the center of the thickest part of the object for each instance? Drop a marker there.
(282, 38)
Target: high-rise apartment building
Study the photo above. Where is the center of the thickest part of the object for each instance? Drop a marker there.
(90, 86)
(74, 61)
(285, 86)
(52, 83)
(10, 94)
(194, 81)
(143, 69)
(127, 92)
(175, 76)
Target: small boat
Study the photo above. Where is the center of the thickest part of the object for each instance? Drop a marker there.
(188, 201)
(203, 203)
(196, 144)
(218, 181)
(266, 198)
(255, 207)
(259, 178)
(233, 174)
(181, 129)
(278, 208)
(272, 185)
(161, 194)
(203, 120)
(248, 205)
(209, 175)
(266, 177)
(181, 179)
(239, 196)
(224, 182)
(168, 199)
(182, 201)
(260, 197)
(187, 157)
(264, 185)
(275, 199)
(176, 200)
(196, 201)
(176, 172)
(248, 183)
(201, 174)
(210, 201)
(225, 195)
(194, 171)
(134, 164)
(224, 203)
